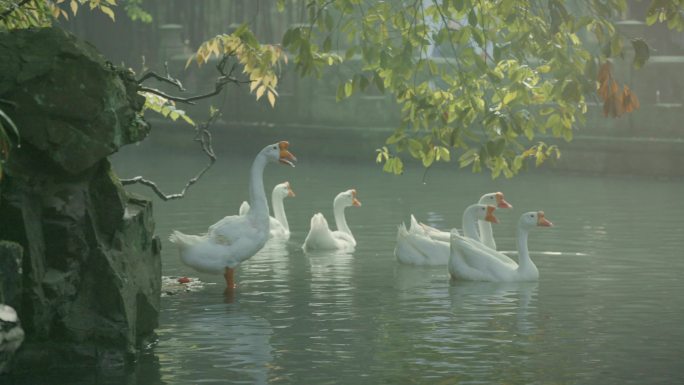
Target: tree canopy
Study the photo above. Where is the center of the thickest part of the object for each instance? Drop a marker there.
(478, 81)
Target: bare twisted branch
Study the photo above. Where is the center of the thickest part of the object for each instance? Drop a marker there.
(221, 82)
(203, 136)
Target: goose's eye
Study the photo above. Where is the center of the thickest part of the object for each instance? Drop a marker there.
(275, 148)
(531, 215)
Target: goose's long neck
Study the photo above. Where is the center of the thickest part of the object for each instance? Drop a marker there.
(340, 219)
(524, 261)
(257, 196)
(469, 224)
(279, 210)
(486, 234)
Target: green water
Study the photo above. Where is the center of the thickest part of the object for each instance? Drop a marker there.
(607, 309)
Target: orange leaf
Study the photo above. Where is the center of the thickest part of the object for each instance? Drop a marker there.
(604, 72)
(630, 102)
(613, 105)
(603, 91)
(605, 78)
(613, 88)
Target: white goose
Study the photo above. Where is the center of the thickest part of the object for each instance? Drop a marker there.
(278, 225)
(416, 248)
(320, 236)
(486, 235)
(469, 261)
(235, 238)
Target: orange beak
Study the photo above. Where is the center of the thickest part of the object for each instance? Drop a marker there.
(501, 202)
(542, 221)
(290, 193)
(285, 156)
(355, 201)
(490, 215)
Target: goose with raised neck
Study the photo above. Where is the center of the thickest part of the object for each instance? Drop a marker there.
(320, 237)
(235, 238)
(471, 262)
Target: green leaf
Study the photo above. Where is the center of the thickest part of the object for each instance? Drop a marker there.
(443, 153)
(616, 45)
(379, 83)
(363, 83)
(327, 44)
(350, 53)
(472, 18)
(287, 37)
(429, 158)
(518, 162)
(329, 22)
(187, 119)
(544, 68)
(348, 88)
(495, 147)
(567, 135)
(107, 11)
(340, 92)
(509, 97)
(397, 136)
(641, 52)
(398, 167)
(415, 148)
(393, 165)
(468, 157)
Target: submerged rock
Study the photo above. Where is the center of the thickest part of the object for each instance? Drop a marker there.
(89, 285)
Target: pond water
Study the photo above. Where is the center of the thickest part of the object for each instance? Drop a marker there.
(607, 309)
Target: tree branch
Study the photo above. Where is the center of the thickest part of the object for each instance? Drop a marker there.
(8, 102)
(202, 131)
(168, 78)
(203, 136)
(221, 82)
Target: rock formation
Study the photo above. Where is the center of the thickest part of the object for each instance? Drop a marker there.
(87, 291)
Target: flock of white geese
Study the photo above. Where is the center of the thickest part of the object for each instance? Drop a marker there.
(470, 256)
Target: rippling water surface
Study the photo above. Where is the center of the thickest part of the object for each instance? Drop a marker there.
(608, 307)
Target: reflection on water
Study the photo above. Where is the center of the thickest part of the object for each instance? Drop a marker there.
(233, 342)
(607, 308)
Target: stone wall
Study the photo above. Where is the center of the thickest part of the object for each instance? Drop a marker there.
(91, 270)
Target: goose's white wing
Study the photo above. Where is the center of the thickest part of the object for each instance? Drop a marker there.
(435, 233)
(479, 263)
(232, 228)
(416, 227)
(244, 208)
(489, 251)
(418, 249)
